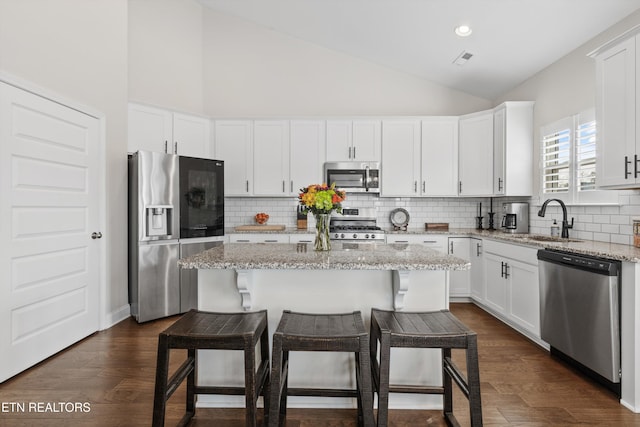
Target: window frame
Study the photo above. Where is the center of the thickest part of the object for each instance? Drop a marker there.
(573, 195)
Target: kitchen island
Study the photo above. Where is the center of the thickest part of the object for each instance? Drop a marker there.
(277, 277)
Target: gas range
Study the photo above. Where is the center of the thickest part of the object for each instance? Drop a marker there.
(356, 225)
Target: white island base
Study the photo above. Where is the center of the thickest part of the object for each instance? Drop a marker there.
(323, 291)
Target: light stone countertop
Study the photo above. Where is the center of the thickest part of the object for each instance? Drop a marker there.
(585, 247)
(342, 256)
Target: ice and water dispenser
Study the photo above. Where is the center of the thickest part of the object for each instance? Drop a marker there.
(159, 220)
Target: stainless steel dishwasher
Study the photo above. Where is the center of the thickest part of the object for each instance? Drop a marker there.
(579, 312)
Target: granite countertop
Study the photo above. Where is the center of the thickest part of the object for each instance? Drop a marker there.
(577, 246)
(342, 256)
(585, 247)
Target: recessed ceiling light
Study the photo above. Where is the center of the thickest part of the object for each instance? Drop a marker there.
(463, 30)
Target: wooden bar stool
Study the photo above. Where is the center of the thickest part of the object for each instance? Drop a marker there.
(320, 332)
(438, 329)
(199, 330)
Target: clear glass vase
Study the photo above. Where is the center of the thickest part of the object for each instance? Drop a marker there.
(322, 242)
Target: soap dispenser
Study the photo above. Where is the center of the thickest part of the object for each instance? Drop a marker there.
(555, 229)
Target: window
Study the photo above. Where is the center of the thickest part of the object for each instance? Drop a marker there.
(568, 161)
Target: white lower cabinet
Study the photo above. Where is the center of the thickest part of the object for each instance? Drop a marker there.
(511, 285)
(476, 277)
(459, 281)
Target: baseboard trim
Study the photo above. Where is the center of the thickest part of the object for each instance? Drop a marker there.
(116, 317)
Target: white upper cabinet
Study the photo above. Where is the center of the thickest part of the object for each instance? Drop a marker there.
(271, 158)
(149, 129)
(306, 154)
(439, 164)
(156, 129)
(475, 154)
(353, 140)
(400, 167)
(191, 135)
(513, 149)
(233, 140)
(617, 115)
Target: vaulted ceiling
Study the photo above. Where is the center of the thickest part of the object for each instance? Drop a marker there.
(511, 40)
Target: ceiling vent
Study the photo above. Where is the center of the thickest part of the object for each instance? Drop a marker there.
(463, 58)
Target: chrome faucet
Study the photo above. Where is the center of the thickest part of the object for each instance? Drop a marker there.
(565, 222)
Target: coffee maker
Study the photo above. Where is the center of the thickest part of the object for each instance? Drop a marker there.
(515, 217)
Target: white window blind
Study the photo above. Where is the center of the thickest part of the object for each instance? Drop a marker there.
(586, 155)
(556, 161)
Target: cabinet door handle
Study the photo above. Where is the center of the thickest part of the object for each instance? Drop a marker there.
(247, 186)
(291, 190)
(478, 246)
(401, 241)
(415, 186)
(349, 152)
(175, 148)
(502, 269)
(506, 270)
(499, 184)
(271, 241)
(424, 186)
(635, 165)
(354, 152)
(451, 247)
(626, 167)
(283, 184)
(166, 143)
(459, 187)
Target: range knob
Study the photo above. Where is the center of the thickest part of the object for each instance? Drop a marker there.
(336, 235)
(342, 236)
(373, 236)
(355, 236)
(366, 236)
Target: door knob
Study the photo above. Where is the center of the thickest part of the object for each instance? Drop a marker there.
(96, 235)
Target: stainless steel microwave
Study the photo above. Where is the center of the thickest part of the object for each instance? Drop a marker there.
(353, 177)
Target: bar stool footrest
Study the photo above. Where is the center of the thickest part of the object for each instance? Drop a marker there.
(176, 379)
(322, 392)
(416, 389)
(455, 373)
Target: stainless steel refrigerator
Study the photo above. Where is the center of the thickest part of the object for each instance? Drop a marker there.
(176, 207)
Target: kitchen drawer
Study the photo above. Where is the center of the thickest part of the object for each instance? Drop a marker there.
(521, 253)
(302, 238)
(258, 238)
(437, 242)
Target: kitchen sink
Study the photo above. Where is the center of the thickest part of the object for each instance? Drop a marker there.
(543, 238)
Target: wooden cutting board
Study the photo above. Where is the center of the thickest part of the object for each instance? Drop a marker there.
(436, 226)
(258, 227)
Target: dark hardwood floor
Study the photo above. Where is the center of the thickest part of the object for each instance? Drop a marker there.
(113, 372)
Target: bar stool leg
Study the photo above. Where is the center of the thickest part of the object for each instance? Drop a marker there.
(284, 380)
(162, 372)
(191, 383)
(250, 385)
(266, 390)
(365, 390)
(276, 387)
(383, 385)
(447, 385)
(473, 381)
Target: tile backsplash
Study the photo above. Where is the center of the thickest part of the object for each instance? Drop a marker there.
(606, 223)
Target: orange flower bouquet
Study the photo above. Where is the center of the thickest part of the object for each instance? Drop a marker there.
(321, 200)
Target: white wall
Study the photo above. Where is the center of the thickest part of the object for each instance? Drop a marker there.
(565, 88)
(78, 49)
(252, 71)
(165, 54)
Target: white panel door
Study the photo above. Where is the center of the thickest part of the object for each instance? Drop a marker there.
(49, 205)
